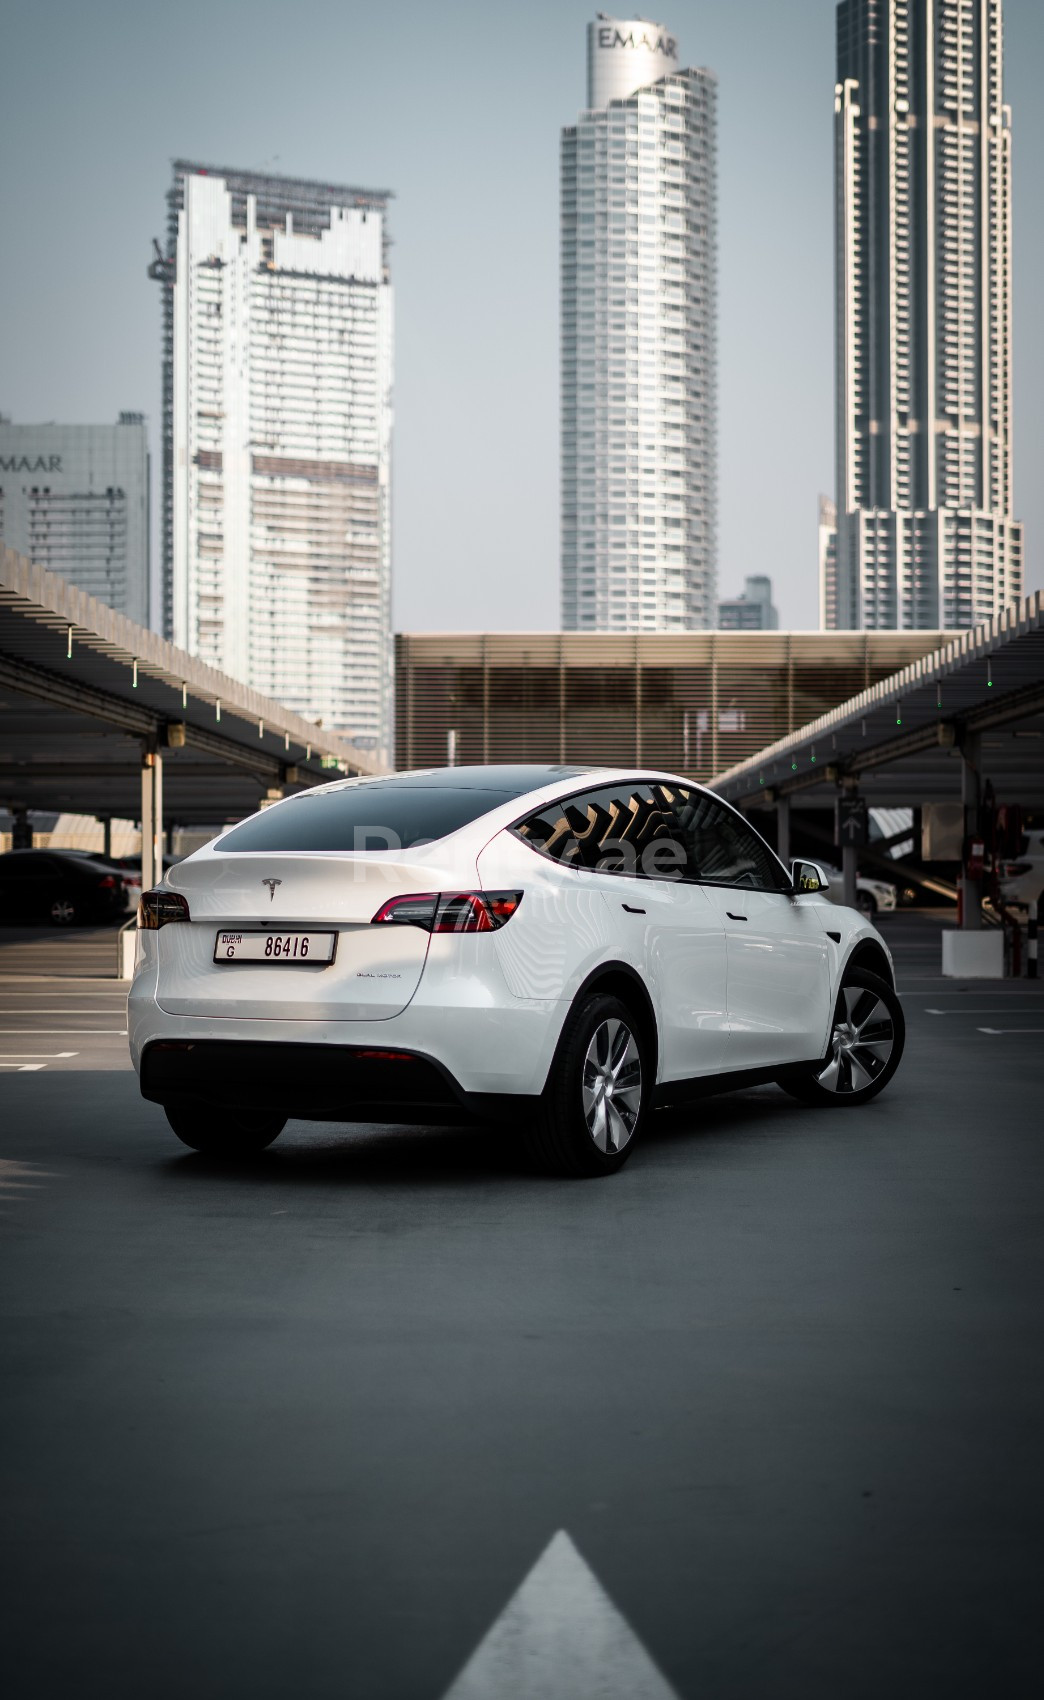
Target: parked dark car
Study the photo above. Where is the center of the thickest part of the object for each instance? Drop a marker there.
(130, 868)
(58, 885)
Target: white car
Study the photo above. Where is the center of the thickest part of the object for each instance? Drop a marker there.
(1022, 882)
(567, 946)
(871, 895)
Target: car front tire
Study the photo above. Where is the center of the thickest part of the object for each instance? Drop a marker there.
(866, 904)
(223, 1133)
(64, 912)
(867, 1037)
(600, 1085)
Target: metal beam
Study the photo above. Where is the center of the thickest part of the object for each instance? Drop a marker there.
(80, 698)
(77, 697)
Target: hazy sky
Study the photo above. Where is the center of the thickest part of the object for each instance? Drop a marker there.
(457, 109)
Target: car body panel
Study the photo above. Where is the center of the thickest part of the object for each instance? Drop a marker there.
(780, 989)
(1027, 887)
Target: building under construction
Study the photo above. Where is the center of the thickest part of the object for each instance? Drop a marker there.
(277, 431)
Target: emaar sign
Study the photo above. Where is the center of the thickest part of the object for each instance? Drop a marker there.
(617, 35)
(625, 54)
(30, 463)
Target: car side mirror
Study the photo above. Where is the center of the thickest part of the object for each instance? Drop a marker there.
(808, 876)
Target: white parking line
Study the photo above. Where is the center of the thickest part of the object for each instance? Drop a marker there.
(23, 1068)
(49, 1056)
(991, 1011)
(120, 1032)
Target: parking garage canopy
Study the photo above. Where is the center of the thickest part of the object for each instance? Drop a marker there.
(93, 708)
(902, 740)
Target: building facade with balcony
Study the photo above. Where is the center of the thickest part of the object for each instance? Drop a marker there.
(925, 534)
(278, 414)
(75, 500)
(639, 354)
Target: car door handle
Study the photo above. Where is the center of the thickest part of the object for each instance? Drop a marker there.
(733, 917)
(631, 911)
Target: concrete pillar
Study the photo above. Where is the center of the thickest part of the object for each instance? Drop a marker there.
(21, 828)
(849, 870)
(106, 826)
(151, 818)
(783, 830)
(971, 797)
(849, 852)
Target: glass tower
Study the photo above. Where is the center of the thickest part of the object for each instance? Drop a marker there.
(639, 437)
(925, 536)
(277, 402)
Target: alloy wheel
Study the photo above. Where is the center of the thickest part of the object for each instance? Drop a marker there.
(612, 1085)
(62, 911)
(861, 1042)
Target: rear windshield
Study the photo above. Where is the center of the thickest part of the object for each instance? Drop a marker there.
(368, 818)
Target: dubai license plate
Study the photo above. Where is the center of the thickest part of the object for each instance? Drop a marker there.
(274, 947)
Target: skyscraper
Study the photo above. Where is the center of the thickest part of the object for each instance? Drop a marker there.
(925, 534)
(639, 402)
(75, 499)
(277, 405)
(753, 610)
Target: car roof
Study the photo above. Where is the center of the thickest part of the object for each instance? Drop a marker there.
(516, 777)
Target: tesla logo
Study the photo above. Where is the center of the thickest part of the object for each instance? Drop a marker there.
(271, 884)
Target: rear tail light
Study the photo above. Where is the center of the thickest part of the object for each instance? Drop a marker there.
(106, 883)
(157, 908)
(1015, 870)
(452, 911)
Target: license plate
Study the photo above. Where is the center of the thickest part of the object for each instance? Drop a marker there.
(274, 947)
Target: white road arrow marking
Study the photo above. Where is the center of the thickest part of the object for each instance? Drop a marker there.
(48, 1056)
(560, 1638)
(23, 1068)
(1011, 1029)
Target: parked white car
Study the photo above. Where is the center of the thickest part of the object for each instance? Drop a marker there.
(1022, 881)
(570, 946)
(872, 895)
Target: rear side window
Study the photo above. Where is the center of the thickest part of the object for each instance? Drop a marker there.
(654, 831)
(370, 818)
(626, 829)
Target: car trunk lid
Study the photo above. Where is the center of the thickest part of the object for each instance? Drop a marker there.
(375, 970)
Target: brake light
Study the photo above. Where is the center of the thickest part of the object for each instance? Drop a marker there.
(452, 911)
(1015, 870)
(157, 908)
(106, 883)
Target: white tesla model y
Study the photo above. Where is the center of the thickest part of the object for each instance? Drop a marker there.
(571, 946)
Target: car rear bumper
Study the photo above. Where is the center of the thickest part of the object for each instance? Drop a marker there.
(477, 1043)
(315, 1082)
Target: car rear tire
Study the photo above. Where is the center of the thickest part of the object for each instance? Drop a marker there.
(600, 1084)
(866, 1046)
(866, 904)
(223, 1133)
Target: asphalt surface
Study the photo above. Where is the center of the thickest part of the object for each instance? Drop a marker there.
(303, 1429)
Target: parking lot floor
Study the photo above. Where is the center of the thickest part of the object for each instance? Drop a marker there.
(763, 1411)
